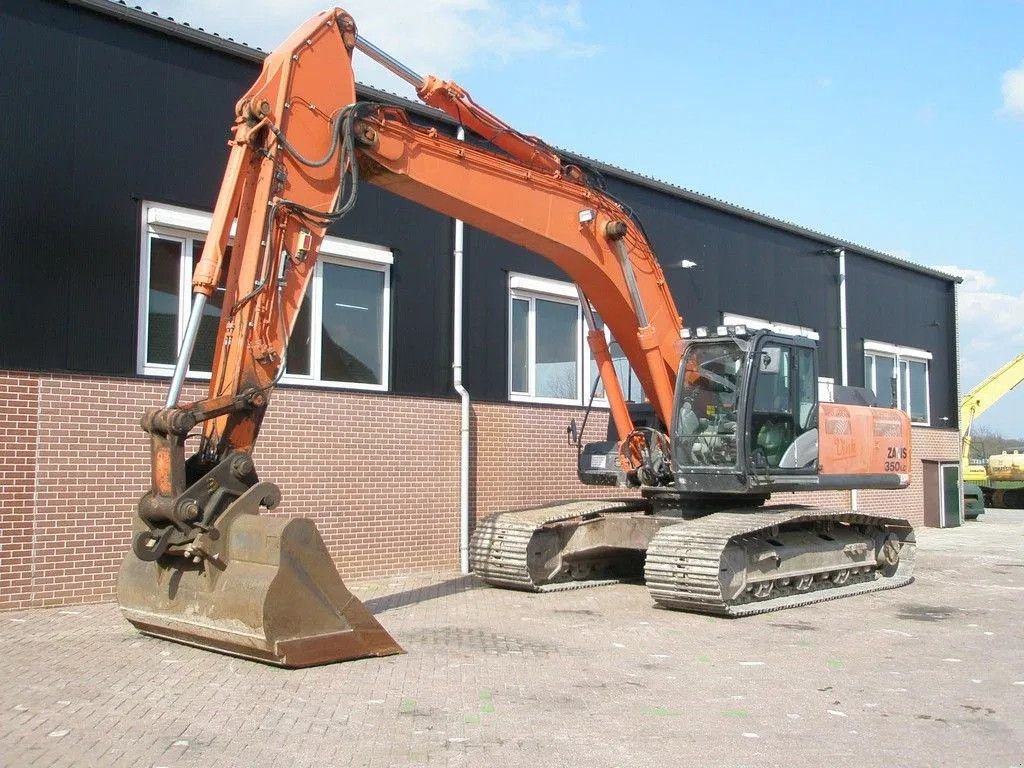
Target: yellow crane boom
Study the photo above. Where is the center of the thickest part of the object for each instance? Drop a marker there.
(976, 402)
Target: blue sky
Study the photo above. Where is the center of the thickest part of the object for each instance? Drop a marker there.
(895, 125)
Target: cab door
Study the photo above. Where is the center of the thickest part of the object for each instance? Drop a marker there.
(783, 420)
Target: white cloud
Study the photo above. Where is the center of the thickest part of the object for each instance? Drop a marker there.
(989, 317)
(569, 13)
(991, 323)
(975, 280)
(1013, 92)
(442, 37)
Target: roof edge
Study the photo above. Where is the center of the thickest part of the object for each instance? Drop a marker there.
(829, 241)
(121, 10)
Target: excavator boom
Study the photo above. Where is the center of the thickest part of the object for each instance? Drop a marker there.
(205, 567)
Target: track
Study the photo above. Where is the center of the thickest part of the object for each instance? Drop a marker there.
(500, 550)
(688, 561)
(684, 561)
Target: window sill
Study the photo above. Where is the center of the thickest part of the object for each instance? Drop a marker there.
(300, 381)
(165, 372)
(567, 402)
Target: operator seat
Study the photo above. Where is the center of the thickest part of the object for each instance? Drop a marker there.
(773, 438)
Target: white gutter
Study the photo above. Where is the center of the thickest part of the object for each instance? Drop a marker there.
(844, 363)
(463, 393)
(843, 346)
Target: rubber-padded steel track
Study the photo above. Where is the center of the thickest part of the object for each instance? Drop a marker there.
(499, 549)
(684, 560)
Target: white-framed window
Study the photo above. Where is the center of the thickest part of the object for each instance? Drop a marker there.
(549, 357)
(886, 365)
(341, 336)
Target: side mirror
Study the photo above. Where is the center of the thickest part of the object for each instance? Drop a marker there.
(572, 433)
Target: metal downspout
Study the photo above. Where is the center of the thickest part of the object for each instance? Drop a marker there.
(843, 343)
(463, 393)
(416, 81)
(844, 348)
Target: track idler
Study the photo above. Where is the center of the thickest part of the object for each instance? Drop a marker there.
(251, 585)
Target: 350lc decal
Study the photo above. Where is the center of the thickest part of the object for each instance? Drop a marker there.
(896, 459)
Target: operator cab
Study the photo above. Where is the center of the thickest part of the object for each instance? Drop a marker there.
(731, 387)
(746, 415)
(746, 420)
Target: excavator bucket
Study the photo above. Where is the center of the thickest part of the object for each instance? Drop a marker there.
(264, 588)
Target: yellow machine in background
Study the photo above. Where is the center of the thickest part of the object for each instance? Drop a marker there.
(1007, 466)
(1000, 480)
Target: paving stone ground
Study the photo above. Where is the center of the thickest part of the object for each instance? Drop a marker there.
(928, 675)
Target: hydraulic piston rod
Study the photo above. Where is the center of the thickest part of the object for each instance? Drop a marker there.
(389, 62)
(185, 354)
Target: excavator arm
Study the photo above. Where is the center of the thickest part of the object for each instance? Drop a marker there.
(202, 568)
(301, 148)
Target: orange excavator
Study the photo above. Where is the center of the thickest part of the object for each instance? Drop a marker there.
(732, 416)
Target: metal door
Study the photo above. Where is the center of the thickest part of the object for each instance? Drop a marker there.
(951, 514)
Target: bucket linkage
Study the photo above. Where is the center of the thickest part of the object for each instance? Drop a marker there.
(207, 569)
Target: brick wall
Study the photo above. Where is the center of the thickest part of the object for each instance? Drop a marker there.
(378, 474)
(931, 444)
(19, 404)
(520, 456)
(926, 444)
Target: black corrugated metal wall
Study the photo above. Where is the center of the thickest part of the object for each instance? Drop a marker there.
(101, 114)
